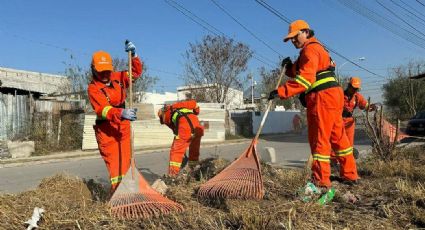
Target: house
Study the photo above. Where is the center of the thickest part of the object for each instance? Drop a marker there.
(418, 76)
(205, 93)
(26, 82)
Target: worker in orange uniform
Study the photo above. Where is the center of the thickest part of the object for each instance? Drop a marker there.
(182, 118)
(107, 94)
(353, 99)
(296, 123)
(313, 77)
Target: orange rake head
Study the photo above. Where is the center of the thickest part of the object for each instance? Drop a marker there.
(240, 180)
(134, 198)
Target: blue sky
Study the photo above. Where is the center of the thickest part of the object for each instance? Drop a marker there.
(41, 35)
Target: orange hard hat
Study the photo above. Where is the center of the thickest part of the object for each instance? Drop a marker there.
(102, 61)
(355, 82)
(295, 27)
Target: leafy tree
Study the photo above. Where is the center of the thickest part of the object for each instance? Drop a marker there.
(403, 96)
(216, 62)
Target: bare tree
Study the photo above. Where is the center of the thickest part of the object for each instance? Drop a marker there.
(143, 84)
(215, 63)
(268, 83)
(81, 77)
(403, 95)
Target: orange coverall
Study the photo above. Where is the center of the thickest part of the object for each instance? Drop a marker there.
(350, 103)
(325, 101)
(296, 123)
(179, 117)
(112, 133)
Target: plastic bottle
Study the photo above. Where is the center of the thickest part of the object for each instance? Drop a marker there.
(327, 197)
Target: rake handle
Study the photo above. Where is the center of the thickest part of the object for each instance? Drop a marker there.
(130, 94)
(269, 105)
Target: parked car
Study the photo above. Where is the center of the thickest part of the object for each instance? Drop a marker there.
(416, 125)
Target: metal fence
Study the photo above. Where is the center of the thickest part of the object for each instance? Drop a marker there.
(53, 125)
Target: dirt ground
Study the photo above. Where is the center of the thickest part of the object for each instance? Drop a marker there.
(391, 195)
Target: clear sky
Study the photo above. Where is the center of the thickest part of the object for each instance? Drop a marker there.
(41, 35)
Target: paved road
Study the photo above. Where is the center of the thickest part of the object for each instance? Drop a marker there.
(291, 151)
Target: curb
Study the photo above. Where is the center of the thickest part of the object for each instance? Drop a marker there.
(92, 154)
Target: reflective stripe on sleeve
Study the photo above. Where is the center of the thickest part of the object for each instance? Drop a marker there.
(302, 81)
(105, 111)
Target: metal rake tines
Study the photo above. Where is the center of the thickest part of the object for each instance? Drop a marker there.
(239, 183)
(131, 206)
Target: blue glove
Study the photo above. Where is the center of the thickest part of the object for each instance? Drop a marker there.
(130, 47)
(129, 114)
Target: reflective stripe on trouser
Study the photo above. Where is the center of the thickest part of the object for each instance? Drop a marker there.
(114, 147)
(178, 148)
(326, 132)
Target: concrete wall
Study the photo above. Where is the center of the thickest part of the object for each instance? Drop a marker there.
(234, 96)
(148, 133)
(157, 98)
(276, 122)
(33, 81)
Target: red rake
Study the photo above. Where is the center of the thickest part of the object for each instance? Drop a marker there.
(242, 179)
(134, 198)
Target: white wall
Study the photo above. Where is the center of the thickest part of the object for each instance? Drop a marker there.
(234, 98)
(276, 122)
(157, 98)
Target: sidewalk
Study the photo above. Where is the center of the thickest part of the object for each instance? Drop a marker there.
(88, 154)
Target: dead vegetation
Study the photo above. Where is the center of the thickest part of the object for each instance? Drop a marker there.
(391, 196)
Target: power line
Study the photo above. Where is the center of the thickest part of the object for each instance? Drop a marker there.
(420, 3)
(384, 22)
(274, 11)
(395, 15)
(244, 27)
(186, 13)
(195, 19)
(287, 20)
(407, 10)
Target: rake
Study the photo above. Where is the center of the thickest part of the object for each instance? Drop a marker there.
(134, 198)
(242, 178)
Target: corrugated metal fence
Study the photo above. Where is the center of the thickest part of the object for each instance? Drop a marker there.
(14, 116)
(53, 125)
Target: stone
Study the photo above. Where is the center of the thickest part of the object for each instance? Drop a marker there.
(20, 149)
(268, 156)
(160, 186)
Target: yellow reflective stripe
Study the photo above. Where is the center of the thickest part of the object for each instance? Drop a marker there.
(105, 111)
(302, 81)
(116, 180)
(344, 152)
(320, 82)
(322, 158)
(175, 164)
(174, 118)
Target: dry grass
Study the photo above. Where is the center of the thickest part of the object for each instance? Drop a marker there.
(392, 196)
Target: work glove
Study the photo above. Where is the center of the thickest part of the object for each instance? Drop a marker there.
(129, 114)
(130, 47)
(286, 62)
(273, 94)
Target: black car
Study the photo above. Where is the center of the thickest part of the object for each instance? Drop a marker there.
(416, 125)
